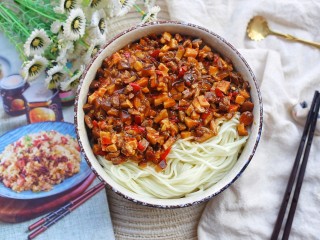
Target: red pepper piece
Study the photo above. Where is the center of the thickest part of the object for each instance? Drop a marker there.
(135, 87)
(105, 141)
(95, 123)
(164, 155)
(155, 53)
(218, 92)
(136, 128)
(137, 119)
(182, 71)
(205, 115)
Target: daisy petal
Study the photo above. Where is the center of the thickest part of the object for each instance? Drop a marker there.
(92, 50)
(56, 74)
(66, 6)
(151, 15)
(36, 43)
(74, 27)
(73, 82)
(33, 68)
(126, 5)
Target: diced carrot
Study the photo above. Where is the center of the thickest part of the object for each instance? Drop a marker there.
(105, 137)
(190, 122)
(189, 110)
(116, 57)
(180, 52)
(167, 36)
(165, 48)
(213, 70)
(92, 97)
(185, 134)
(160, 99)
(233, 108)
(244, 93)
(240, 99)
(102, 91)
(138, 65)
(163, 69)
(191, 52)
(170, 102)
(203, 101)
(173, 43)
(206, 49)
(162, 115)
(111, 88)
(223, 86)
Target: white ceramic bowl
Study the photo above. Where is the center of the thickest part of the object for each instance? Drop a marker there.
(217, 43)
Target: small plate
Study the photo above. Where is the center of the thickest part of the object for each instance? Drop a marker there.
(61, 127)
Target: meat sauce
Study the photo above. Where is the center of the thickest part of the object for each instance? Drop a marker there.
(159, 89)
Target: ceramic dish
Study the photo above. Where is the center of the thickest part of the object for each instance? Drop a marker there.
(220, 45)
(61, 127)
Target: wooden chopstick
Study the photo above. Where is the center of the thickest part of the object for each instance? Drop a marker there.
(52, 218)
(307, 135)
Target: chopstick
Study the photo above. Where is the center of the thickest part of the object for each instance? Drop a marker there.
(307, 135)
(44, 223)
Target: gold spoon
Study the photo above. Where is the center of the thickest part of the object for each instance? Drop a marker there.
(258, 29)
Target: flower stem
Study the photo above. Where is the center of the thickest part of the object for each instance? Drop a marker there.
(11, 16)
(139, 10)
(30, 7)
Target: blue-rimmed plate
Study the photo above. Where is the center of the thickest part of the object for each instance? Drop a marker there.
(61, 127)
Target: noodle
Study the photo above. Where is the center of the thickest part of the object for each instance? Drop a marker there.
(192, 167)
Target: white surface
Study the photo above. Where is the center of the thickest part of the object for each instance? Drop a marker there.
(288, 73)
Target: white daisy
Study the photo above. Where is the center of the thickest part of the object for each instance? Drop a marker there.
(66, 6)
(74, 27)
(73, 82)
(126, 5)
(56, 75)
(33, 68)
(56, 27)
(112, 8)
(151, 15)
(98, 27)
(92, 50)
(36, 43)
(97, 4)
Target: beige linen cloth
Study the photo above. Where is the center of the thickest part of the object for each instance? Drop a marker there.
(287, 73)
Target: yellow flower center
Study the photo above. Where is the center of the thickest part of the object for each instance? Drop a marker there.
(34, 69)
(76, 24)
(94, 2)
(102, 24)
(94, 51)
(35, 42)
(68, 4)
(56, 77)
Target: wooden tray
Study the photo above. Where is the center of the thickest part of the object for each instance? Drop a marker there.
(16, 210)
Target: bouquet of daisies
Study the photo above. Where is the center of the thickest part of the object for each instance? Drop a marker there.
(60, 37)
